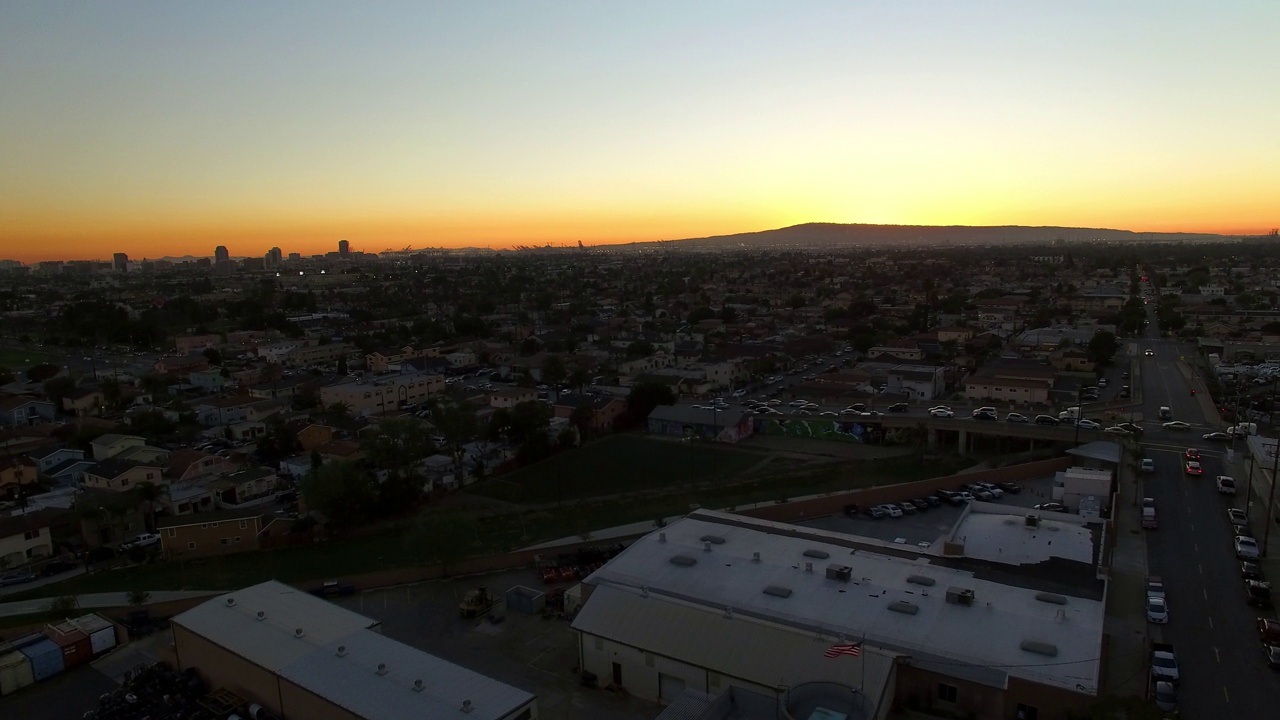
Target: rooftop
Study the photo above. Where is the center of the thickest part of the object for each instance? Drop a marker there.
(984, 640)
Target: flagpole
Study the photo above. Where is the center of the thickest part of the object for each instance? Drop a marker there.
(862, 682)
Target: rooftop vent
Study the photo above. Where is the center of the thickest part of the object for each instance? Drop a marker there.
(820, 554)
(662, 537)
(262, 615)
(297, 632)
(842, 573)
(1032, 520)
(644, 591)
(778, 591)
(1040, 648)
(755, 557)
(808, 567)
(921, 580)
(713, 539)
(467, 706)
(418, 686)
(906, 608)
(231, 602)
(684, 560)
(382, 668)
(342, 651)
(1054, 598)
(706, 546)
(959, 596)
(728, 613)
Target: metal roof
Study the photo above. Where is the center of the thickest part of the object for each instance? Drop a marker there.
(354, 680)
(981, 641)
(273, 641)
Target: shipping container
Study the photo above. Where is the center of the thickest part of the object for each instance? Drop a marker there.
(15, 672)
(45, 657)
(76, 649)
(101, 632)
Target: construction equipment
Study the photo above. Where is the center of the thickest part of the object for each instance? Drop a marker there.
(476, 603)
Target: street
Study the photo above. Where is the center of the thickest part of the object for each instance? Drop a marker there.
(1223, 673)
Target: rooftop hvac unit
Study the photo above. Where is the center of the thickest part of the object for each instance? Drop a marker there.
(959, 596)
(842, 573)
(1032, 520)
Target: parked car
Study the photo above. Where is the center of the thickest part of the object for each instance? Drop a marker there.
(892, 510)
(1053, 507)
(1012, 488)
(1148, 465)
(1014, 417)
(141, 540)
(933, 501)
(920, 504)
(1157, 610)
(1250, 570)
(1257, 593)
(1176, 425)
(1272, 654)
(1226, 485)
(1166, 696)
(1269, 630)
(876, 513)
(1216, 436)
(991, 488)
(17, 577)
(1246, 548)
(907, 508)
(1155, 586)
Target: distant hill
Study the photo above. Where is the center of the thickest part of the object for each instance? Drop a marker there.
(837, 234)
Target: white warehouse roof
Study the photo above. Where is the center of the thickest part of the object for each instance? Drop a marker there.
(1049, 638)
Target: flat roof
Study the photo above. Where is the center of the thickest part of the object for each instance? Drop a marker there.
(1006, 538)
(271, 642)
(983, 641)
(354, 681)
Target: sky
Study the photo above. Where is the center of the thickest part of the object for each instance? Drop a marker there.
(166, 128)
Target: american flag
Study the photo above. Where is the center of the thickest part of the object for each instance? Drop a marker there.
(850, 649)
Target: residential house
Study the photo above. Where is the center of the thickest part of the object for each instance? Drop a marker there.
(509, 397)
(283, 388)
(243, 486)
(85, 400)
(641, 366)
(313, 436)
(727, 374)
(47, 459)
(341, 451)
(277, 352)
(1072, 361)
(211, 533)
(1011, 381)
(189, 497)
(111, 444)
(121, 475)
(955, 333)
(26, 537)
(210, 381)
(317, 354)
(386, 359)
(899, 352)
(186, 465)
(263, 409)
(15, 473)
(217, 412)
(22, 411)
(604, 409)
(181, 365)
(462, 358)
(919, 382)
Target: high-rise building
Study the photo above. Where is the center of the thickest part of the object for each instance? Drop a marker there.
(120, 262)
(220, 254)
(273, 257)
(344, 248)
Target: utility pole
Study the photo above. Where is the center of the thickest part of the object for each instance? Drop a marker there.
(1275, 465)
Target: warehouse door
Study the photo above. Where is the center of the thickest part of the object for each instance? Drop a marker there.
(669, 687)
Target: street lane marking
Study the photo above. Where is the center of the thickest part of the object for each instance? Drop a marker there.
(1201, 569)
(1206, 597)
(1217, 655)
(1225, 694)
(1211, 627)
(1197, 546)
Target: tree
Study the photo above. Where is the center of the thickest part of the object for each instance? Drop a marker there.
(579, 378)
(339, 415)
(1103, 347)
(443, 538)
(56, 388)
(458, 424)
(138, 598)
(6, 375)
(553, 370)
(644, 397)
(213, 356)
(399, 444)
(583, 418)
(41, 372)
(149, 492)
(63, 607)
(344, 493)
(567, 437)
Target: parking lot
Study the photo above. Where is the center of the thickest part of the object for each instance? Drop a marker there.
(928, 526)
(534, 654)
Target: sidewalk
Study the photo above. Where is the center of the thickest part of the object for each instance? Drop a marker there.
(1126, 619)
(89, 601)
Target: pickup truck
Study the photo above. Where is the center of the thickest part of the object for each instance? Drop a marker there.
(1164, 665)
(1226, 485)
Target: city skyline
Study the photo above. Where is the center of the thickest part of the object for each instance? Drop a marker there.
(166, 132)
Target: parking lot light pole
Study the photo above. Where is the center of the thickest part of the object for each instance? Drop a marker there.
(1271, 496)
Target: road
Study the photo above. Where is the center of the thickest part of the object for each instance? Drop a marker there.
(1211, 627)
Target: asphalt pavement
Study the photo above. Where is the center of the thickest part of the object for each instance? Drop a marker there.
(1223, 673)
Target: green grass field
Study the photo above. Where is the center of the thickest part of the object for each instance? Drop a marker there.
(18, 360)
(618, 464)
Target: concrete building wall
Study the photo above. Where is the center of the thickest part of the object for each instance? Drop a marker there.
(222, 668)
(213, 538)
(300, 703)
(641, 670)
